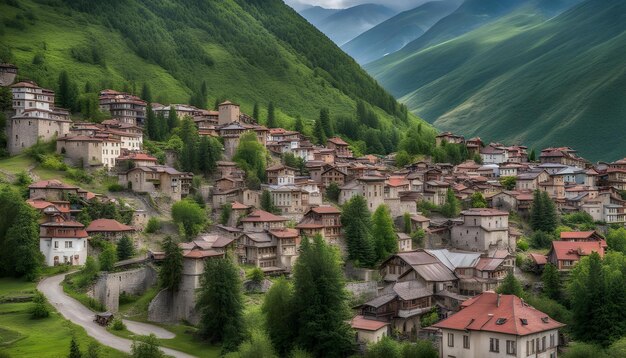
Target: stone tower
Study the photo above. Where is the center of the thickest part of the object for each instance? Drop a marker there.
(228, 112)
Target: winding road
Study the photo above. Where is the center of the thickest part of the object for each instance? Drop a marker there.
(83, 316)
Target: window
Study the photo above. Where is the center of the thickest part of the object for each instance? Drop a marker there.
(68, 244)
(494, 345)
(551, 340)
(450, 339)
(56, 244)
(466, 342)
(543, 343)
(511, 347)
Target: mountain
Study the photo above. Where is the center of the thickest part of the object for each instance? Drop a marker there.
(244, 50)
(528, 77)
(394, 33)
(346, 24)
(317, 14)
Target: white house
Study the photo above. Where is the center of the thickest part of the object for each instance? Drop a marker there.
(63, 242)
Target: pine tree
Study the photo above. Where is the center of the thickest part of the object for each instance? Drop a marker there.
(532, 157)
(406, 218)
(319, 132)
(125, 248)
(226, 212)
(74, 349)
(172, 118)
(356, 222)
(152, 128)
(279, 315)
(333, 191)
(108, 257)
(267, 203)
(271, 116)
(23, 239)
(171, 271)
(325, 123)
(549, 217)
(511, 286)
(321, 302)
(220, 304)
(67, 92)
(536, 211)
(162, 126)
(146, 94)
(255, 112)
(451, 208)
(383, 232)
(551, 282)
(189, 155)
(209, 153)
(299, 125)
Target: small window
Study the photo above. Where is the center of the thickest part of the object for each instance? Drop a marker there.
(466, 342)
(494, 345)
(450, 339)
(511, 347)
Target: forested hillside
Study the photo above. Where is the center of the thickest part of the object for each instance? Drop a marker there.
(527, 77)
(246, 51)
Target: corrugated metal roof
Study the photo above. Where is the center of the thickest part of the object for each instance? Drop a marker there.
(454, 260)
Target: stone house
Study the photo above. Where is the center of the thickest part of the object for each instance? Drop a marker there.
(111, 230)
(259, 220)
(340, 147)
(35, 117)
(51, 190)
(482, 230)
(90, 151)
(124, 107)
(333, 175)
(280, 175)
(63, 241)
(323, 220)
(530, 180)
(159, 179)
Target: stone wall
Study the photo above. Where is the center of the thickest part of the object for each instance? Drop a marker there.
(110, 285)
(360, 274)
(366, 290)
(171, 307)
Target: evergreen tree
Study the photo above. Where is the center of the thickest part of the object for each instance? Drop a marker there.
(146, 94)
(299, 125)
(220, 304)
(189, 155)
(383, 232)
(93, 350)
(551, 282)
(321, 301)
(406, 219)
(271, 116)
(267, 203)
(532, 157)
(210, 152)
(536, 211)
(162, 126)
(452, 207)
(146, 348)
(67, 92)
(549, 217)
(172, 118)
(478, 200)
(326, 123)
(255, 111)
(511, 286)
(125, 248)
(356, 222)
(22, 238)
(226, 212)
(171, 271)
(279, 315)
(152, 127)
(319, 132)
(74, 349)
(108, 257)
(333, 191)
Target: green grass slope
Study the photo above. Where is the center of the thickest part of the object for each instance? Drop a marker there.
(524, 78)
(394, 33)
(174, 46)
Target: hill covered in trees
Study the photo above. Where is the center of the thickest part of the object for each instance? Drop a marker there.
(247, 51)
(528, 77)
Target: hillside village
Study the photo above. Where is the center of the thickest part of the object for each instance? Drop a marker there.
(460, 229)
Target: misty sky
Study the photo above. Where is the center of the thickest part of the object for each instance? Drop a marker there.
(399, 5)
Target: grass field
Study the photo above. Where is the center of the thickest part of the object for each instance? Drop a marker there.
(48, 337)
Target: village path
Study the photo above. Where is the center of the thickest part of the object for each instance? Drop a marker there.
(83, 316)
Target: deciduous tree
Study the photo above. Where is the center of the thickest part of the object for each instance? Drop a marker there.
(190, 217)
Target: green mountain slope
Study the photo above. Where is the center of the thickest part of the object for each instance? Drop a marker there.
(524, 78)
(394, 33)
(248, 51)
(347, 24)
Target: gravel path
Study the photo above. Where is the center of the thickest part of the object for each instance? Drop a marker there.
(83, 316)
(145, 329)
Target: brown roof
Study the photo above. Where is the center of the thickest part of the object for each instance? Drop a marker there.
(262, 216)
(108, 225)
(325, 210)
(284, 233)
(362, 323)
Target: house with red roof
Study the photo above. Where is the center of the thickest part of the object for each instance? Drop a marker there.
(50, 208)
(63, 241)
(582, 236)
(110, 229)
(340, 147)
(369, 330)
(566, 254)
(494, 325)
(260, 220)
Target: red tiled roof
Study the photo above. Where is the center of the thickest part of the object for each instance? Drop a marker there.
(397, 181)
(262, 216)
(572, 250)
(539, 259)
(108, 225)
(137, 156)
(200, 254)
(362, 323)
(284, 233)
(239, 206)
(576, 234)
(337, 141)
(510, 316)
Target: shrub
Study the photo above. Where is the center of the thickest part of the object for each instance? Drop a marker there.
(256, 275)
(53, 162)
(39, 309)
(118, 325)
(522, 245)
(153, 225)
(79, 175)
(115, 187)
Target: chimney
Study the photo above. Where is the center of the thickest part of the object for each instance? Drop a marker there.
(498, 300)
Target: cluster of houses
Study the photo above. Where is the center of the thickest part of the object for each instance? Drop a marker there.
(462, 260)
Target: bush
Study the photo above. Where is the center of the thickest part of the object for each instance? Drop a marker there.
(153, 226)
(79, 175)
(118, 325)
(522, 245)
(52, 162)
(256, 275)
(115, 187)
(39, 309)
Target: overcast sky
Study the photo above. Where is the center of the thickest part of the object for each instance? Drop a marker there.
(399, 5)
